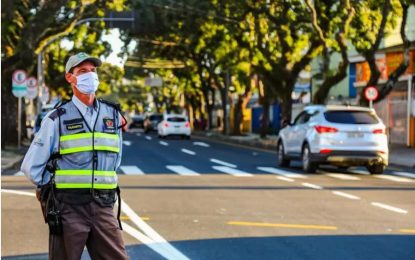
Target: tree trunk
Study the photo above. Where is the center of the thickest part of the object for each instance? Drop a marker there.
(286, 107)
(265, 119)
(237, 117)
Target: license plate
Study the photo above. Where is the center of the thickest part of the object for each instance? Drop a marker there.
(355, 135)
(177, 126)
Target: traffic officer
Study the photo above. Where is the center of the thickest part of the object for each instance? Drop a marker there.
(73, 161)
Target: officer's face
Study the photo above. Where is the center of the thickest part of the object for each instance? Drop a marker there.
(82, 68)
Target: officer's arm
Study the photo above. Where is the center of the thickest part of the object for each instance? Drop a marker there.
(120, 123)
(39, 152)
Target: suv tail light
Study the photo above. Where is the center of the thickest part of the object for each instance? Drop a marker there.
(379, 131)
(325, 129)
(323, 151)
(187, 124)
(166, 124)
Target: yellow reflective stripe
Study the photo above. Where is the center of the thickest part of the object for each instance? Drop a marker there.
(76, 149)
(107, 148)
(85, 186)
(75, 136)
(88, 135)
(105, 135)
(85, 172)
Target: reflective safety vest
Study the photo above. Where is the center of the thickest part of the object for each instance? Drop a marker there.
(88, 154)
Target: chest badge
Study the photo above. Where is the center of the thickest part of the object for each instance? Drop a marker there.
(109, 125)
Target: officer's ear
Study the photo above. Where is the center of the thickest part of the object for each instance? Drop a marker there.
(70, 78)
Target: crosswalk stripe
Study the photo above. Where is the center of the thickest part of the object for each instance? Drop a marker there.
(164, 143)
(281, 172)
(404, 174)
(223, 163)
(131, 170)
(127, 143)
(201, 144)
(138, 134)
(188, 151)
(346, 195)
(181, 170)
(232, 171)
(342, 176)
(394, 178)
(19, 173)
(149, 137)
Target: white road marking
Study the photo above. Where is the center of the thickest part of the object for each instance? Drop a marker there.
(19, 173)
(285, 179)
(131, 170)
(164, 143)
(360, 172)
(19, 192)
(310, 185)
(223, 163)
(181, 170)
(168, 249)
(149, 137)
(404, 174)
(188, 151)
(346, 195)
(127, 143)
(343, 176)
(201, 144)
(384, 206)
(281, 172)
(394, 178)
(232, 171)
(138, 134)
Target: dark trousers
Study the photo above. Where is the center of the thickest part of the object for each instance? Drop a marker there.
(89, 225)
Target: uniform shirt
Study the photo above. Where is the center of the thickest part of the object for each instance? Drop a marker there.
(46, 142)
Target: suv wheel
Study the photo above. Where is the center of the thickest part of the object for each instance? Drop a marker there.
(281, 160)
(376, 169)
(308, 165)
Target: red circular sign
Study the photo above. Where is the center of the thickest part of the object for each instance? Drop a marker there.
(19, 76)
(371, 93)
(31, 82)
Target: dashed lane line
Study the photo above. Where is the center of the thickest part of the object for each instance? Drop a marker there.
(232, 171)
(138, 134)
(201, 144)
(188, 151)
(281, 172)
(149, 137)
(394, 178)
(127, 143)
(342, 176)
(387, 207)
(260, 224)
(131, 170)
(181, 170)
(310, 185)
(164, 143)
(346, 195)
(223, 163)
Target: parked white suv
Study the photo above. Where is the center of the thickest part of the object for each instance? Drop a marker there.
(339, 135)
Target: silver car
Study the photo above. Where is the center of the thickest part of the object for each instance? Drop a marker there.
(339, 135)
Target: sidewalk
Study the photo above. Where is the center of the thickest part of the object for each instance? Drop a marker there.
(11, 157)
(398, 155)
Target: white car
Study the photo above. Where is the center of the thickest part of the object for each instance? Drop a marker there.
(339, 135)
(174, 125)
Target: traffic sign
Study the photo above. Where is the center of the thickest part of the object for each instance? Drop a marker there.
(19, 87)
(371, 93)
(31, 82)
(31, 93)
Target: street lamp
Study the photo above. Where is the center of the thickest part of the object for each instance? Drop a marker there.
(40, 81)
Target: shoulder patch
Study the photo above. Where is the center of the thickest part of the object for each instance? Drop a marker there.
(112, 104)
(58, 112)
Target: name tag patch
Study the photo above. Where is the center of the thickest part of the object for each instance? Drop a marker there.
(75, 126)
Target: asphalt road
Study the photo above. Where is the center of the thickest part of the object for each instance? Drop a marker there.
(198, 199)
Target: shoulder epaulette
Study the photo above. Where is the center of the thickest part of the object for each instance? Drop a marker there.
(112, 104)
(58, 112)
(61, 103)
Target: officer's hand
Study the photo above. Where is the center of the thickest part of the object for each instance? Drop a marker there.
(38, 194)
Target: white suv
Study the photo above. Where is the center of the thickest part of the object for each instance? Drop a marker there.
(339, 135)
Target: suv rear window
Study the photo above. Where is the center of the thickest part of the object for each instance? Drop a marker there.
(351, 117)
(176, 119)
(156, 117)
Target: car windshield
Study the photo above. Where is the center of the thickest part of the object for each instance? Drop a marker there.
(176, 119)
(351, 117)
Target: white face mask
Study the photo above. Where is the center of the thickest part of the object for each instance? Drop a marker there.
(87, 83)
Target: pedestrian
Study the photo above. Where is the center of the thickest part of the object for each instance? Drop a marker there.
(73, 161)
